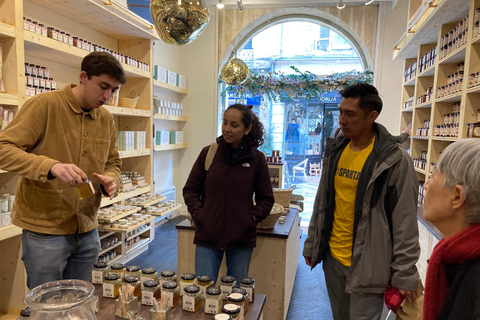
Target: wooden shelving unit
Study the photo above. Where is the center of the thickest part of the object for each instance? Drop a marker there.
(166, 147)
(134, 153)
(169, 87)
(169, 117)
(124, 195)
(119, 111)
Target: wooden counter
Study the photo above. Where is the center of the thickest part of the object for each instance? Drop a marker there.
(273, 265)
(107, 309)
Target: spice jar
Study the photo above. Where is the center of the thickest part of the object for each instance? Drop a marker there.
(149, 274)
(186, 279)
(249, 285)
(226, 285)
(111, 285)
(222, 316)
(133, 271)
(204, 282)
(150, 291)
(171, 289)
(100, 270)
(167, 275)
(119, 269)
(133, 281)
(238, 299)
(233, 310)
(192, 298)
(213, 301)
(475, 130)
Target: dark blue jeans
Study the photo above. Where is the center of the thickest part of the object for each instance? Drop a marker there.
(208, 260)
(56, 257)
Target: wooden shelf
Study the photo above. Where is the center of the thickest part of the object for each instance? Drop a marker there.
(10, 231)
(475, 89)
(407, 110)
(451, 98)
(117, 257)
(170, 147)
(169, 87)
(148, 203)
(105, 16)
(133, 153)
(129, 229)
(8, 99)
(425, 31)
(7, 30)
(451, 139)
(110, 248)
(420, 138)
(169, 117)
(424, 105)
(52, 50)
(430, 72)
(410, 82)
(137, 234)
(119, 111)
(476, 39)
(124, 195)
(421, 171)
(105, 235)
(456, 56)
(140, 243)
(166, 213)
(120, 216)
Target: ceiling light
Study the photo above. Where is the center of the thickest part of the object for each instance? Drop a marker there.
(368, 2)
(340, 5)
(220, 5)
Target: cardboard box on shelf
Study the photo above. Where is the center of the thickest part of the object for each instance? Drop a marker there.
(172, 78)
(176, 137)
(181, 81)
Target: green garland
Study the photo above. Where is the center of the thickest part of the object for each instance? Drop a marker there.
(294, 87)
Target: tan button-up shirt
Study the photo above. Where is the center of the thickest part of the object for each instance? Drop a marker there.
(51, 128)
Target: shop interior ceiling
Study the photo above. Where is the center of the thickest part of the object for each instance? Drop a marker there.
(289, 3)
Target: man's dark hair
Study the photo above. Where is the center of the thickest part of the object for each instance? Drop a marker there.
(368, 94)
(98, 63)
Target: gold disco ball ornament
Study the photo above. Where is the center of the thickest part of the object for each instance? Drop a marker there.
(234, 72)
(179, 22)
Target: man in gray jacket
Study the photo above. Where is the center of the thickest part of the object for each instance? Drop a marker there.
(364, 225)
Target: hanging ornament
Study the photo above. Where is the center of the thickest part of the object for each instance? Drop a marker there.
(234, 72)
(179, 22)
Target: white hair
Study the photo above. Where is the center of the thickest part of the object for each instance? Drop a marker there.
(460, 163)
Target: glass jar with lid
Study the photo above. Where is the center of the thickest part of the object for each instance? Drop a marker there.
(167, 275)
(133, 281)
(100, 270)
(249, 285)
(233, 310)
(475, 130)
(119, 269)
(238, 299)
(192, 298)
(150, 291)
(149, 274)
(74, 301)
(213, 301)
(173, 292)
(245, 294)
(186, 279)
(204, 282)
(111, 285)
(133, 271)
(226, 285)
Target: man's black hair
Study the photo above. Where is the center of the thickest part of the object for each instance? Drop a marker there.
(368, 94)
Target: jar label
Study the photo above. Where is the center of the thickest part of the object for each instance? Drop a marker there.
(170, 297)
(188, 303)
(226, 290)
(476, 132)
(97, 277)
(250, 294)
(147, 298)
(212, 306)
(108, 290)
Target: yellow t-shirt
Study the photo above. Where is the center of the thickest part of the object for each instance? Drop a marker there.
(348, 171)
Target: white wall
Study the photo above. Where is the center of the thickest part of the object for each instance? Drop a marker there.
(388, 73)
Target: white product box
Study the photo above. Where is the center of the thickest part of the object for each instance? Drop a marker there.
(162, 74)
(164, 137)
(176, 137)
(181, 81)
(172, 78)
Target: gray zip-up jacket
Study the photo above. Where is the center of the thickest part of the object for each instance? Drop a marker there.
(385, 236)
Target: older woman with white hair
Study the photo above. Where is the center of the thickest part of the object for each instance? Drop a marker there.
(452, 204)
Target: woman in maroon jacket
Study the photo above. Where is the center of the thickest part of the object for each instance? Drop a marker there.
(220, 199)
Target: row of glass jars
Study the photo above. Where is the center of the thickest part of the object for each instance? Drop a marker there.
(427, 97)
(476, 23)
(425, 130)
(427, 60)
(34, 90)
(446, 130)
(80, 43)
(474, 79)
(449, 89)
(451, 118)
(454, 39)
(420, 163)
(410, 72)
